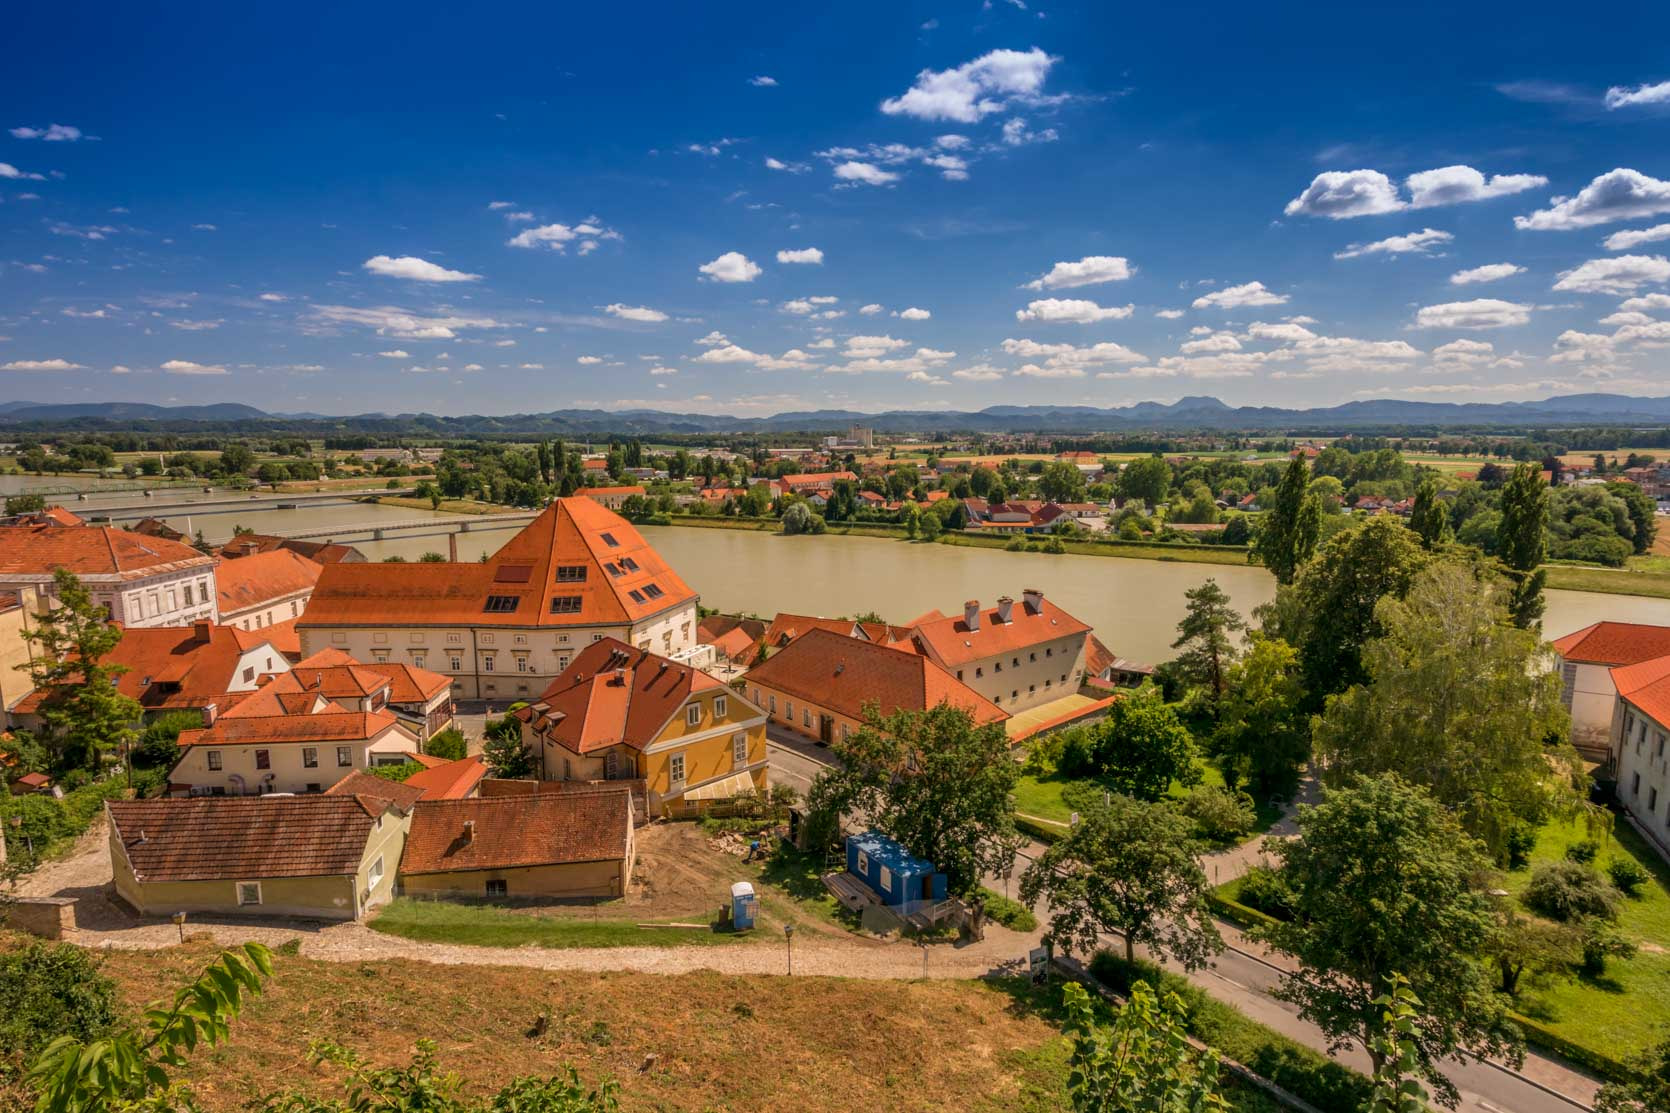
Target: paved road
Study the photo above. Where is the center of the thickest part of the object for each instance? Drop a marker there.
(795, 761)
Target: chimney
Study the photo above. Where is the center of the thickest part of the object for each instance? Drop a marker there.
(971, 614)
(452, 546)
(202, 630)
(1034, 599)
(1004, 606)
(469, 831)
(211, 712)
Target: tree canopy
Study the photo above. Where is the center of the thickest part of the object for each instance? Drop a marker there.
(1291, 526)
(83, 715)
(1205, 635)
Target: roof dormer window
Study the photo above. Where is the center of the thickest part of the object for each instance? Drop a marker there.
(609, 540)
(502, 604)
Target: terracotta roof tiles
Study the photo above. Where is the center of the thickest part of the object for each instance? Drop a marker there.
(244, 838)
(1615, 643)
(512, 831)
(92, 551)
(1647, 686)
(263, 577)
(613, 694)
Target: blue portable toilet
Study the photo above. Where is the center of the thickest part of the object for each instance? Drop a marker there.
(903, 881)
(744, 905)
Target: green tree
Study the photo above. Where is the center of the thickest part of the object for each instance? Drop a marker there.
(1382, 881)
(25, 504)
(1647, 1092)
(449, 743)
(798, 518)
(1430, 518)
(1129, 867)
(934, 781)
(1522, 944)
(1262, 735)
(1205, 637)
(504, 752)
(1460, 701)
(1062, 482)
(236, 458)
(1522, 542)
(1143, 1063)
(48, 990)
(1142, 746)
(1146, 480)
(1291, 525)
(83, 714)
(1643, 514)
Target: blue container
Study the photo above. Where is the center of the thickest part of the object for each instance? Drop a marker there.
(903, 881)
(744, 905)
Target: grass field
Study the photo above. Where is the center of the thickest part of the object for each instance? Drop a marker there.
(1626, 1009)
(1654, 584)
(480, 925)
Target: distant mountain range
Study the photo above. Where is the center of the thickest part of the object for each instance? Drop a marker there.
(1184, 414)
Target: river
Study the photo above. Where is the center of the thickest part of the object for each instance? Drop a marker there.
(1133, 604)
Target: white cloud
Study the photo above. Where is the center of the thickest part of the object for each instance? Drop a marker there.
(1490, 272)
(1338, 194)
(1619, 194)
(1454, 185)
(1626, 317)
(1465, 352)
(588, 361)
(1236, 297)
(1572, 346)
(980, 373)
(1285, 333)
(396, 353)
(1075, 311)
(1033, 371)
(88, 314)
(822, 342)
(863, 346)
(418, 270)
(661, 371)
(790, 167)
(1619, 274)
(1479, 313)
(204, 228)
(523, 217)
(532, 367)
(714, 339)
(7, 170)
(801, 255)
(793, 359)
(273, 297)
(195, 326)
(1418, 243)
(634, 312)
(187, 367)
(864, 173)
(953, 168)
(761, 81)
(1168, 314)
(557, 237)
(926, 379)
(124, 369)
(713, 149)
(1017, 134)
(974, 89)
(870, 310)
(500, 204)
(1647, 303)
(52, 133)
(914, 314)
(1620, 241)
(1089, 271)
(40, 365)
(1620, 97)
(400, 324)
(1217, 342)
(1067, 355)
(472, 367)
(733, 266)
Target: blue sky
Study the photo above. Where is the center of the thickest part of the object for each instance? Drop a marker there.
(754, 208)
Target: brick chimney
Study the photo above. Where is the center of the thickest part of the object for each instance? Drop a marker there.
(971, 614)
(1004, 605)
(1033, 598)
(202, 630)
(469, 832)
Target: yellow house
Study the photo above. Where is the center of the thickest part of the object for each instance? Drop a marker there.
(621, 713)
(319, 857)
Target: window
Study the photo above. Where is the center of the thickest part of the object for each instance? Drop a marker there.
(1014, 693)
(886, 880)
(310, 757)
(565, 604)
(1652, 799)
(739, 749)
(1635, 785)
(774, 705)
(979, 672)
(1015, 663)
(562, 662)
(997, 666)
(959, 674)
(676, 769)
(846, 732)
(249, 892)
(613, 569)
(653, 591)
(375, 874)
(455, 663)
(637, 596)
(295, 609)
(1568, 682)
(629, 564)
(1049, 653)
(380, 656)
(756, 695)
(186, 591)
(263, 759)
(454, 639)
(718, 707)
(214, 759)
(498, 888)
(609, 540)
(863, 864)
(521, 662)
(487, 663)
(806, 716)
(313, 786)
(693, 714)
(502, 604)
(1032, 656)
(571, 573)
(344, 757)
(788, 710)
(417, 660)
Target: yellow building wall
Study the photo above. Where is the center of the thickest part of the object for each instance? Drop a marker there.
(709, 757)
(578, 879)
(323, 898)
(790, 711)
(14, 650)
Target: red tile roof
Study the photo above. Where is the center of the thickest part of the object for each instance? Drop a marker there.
(513, 831)
(821, 479)
(283, 711)
(950, 641)
(1647, 686)
(93, 551)
(613, 694)
(1615, 643)
(283, 637)
(453, 781)
(322, 552)
(401, 794)
(733, 644)
(845, 674)
(263, 577)
(339, 673)
(244, 838)
(521, 577)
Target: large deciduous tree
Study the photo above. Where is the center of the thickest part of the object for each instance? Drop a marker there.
(1129, 867)
(1062, 482)
(1206, 637)
(1142, 747)
(83, 713)
(1384, 882)
(933, 780)
(1288, 533)
(1262, 736)
(1460, 701)
(1430, 518)
(1522, 542)
(1146, 480)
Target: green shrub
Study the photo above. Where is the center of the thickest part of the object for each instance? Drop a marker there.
(449, 743)
(1628, 875)
(1570, 891)
(1263, 889)
(1583, 851)
(1521, 841)
(1221, 816)
(1043, 832)
(396, 773)
(1012, 914)
(49, 990)
(158, 746)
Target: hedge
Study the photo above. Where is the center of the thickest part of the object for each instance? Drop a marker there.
(1600, 1063)
(1043, 832)
(1012, 914)
(1295, 1068)
(1237, 913)
(49, 823)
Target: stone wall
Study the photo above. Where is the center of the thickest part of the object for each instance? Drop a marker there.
(48, 917)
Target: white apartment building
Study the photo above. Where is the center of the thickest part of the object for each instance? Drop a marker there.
(141, 581)
(1587, 660)
(1642, 745)
(1016, 656)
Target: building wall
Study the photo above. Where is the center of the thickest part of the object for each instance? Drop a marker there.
(268, 612)
(801, 716)
(239, 776)
(1025, 678)
(15, 649)
(383, 848)
(177, 597)
(1643, 748)
(1592, 698)
(323, 898)
(578, 879)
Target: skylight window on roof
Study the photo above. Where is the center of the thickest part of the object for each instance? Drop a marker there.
(653, 591)
(612, 569)
(571, 573)
(637, 596)
(565, 604)
(502, 604)
(629, 564)
(609, 540)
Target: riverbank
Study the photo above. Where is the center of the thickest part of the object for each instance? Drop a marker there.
(1609, 581)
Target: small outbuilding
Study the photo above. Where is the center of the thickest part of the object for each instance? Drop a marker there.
(904, 882)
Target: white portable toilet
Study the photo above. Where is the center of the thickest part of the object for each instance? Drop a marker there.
(744, 905)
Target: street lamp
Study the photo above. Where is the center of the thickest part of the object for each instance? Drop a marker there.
(788, 937)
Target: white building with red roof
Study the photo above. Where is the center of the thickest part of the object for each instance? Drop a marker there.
(505, 628)
(1587, 659)
(264, 589)
(142, 581)
(1017, 656)
(1641, 737)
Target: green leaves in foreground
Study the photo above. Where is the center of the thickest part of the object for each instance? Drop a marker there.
(1142, 1063)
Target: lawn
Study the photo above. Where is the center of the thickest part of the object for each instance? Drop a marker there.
(1628, 1008)
(1614, 581)
(1041, 796)
(486, 925)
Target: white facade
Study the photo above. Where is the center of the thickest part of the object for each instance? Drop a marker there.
(1643, 748)
(1024, 678)
(268, 612)
(171, 597)
(1591, 697)
(248, 769)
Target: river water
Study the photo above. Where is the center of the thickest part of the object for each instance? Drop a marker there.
(1133, 604)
